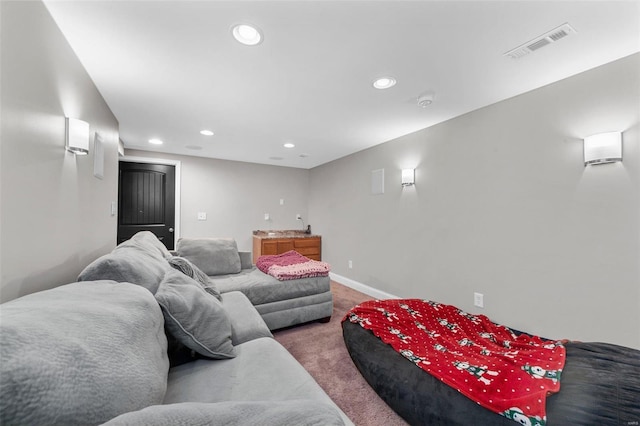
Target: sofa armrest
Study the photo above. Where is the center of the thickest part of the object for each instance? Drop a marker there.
(246, 260)
(246, 322)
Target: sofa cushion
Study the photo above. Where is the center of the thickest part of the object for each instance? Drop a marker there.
(185, 266)
(215, 256)
(246, 322)
(296, 412)
(81, 354)
(261, 288)
(138, 260)
(263, 370)
(194, 317)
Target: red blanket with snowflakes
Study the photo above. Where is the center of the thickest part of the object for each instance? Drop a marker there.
(291, 266)
(508, 374)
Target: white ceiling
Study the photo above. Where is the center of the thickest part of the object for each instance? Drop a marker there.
(168, 69)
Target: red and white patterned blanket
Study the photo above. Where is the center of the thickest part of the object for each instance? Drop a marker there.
(508, 374)
(291, 266)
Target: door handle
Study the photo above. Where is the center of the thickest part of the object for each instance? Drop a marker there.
(170, 229)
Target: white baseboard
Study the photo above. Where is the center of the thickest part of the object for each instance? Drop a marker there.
(363, 288)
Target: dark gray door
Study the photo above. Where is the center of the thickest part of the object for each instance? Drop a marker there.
(147, 201)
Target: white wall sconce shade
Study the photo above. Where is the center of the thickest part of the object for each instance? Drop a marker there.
(408, 177)
(76, 136)
(603, 148)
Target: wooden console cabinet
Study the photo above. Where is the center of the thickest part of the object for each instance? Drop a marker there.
(307, 246)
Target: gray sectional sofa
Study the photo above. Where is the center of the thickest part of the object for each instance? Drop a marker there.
(280, 303)
(98, 351)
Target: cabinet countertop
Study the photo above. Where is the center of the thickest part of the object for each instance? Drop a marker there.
(283, 234)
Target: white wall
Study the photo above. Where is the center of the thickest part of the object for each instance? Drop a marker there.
(55, 215)
(236, 195)
(503, 205)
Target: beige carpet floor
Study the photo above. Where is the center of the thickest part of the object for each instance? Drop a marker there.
(321, 350)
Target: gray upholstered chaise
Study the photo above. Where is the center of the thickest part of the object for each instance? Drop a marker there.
(280, 303)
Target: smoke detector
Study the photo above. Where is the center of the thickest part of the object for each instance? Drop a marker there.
(546, 39)
(425, 100)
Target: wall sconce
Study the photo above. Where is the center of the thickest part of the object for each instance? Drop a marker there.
(408, 177)
(603, 148)
(77, 136)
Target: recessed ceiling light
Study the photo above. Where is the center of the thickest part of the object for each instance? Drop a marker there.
(384, 82)
(289, 145)
(247, 34)
(206, 132)
(155, 141)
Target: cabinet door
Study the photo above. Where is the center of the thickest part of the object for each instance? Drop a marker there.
(285, 246)
(309, 247)
(269, 247)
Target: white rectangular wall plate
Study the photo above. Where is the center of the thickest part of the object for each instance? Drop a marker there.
(377, 182)
(478, 300)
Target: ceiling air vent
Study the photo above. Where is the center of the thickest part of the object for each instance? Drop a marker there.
(539, 42)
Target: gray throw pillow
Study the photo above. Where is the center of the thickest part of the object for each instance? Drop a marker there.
(189, 269)
(215, 256)
(194, 317)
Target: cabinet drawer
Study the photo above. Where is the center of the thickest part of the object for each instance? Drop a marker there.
(306, 242)
(284, 246)
(306, 251)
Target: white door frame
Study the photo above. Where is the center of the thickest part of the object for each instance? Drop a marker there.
(178, 166)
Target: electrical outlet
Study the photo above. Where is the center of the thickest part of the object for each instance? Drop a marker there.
(350, 264)
(266, 216)
(478, 300)
(202, 215)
